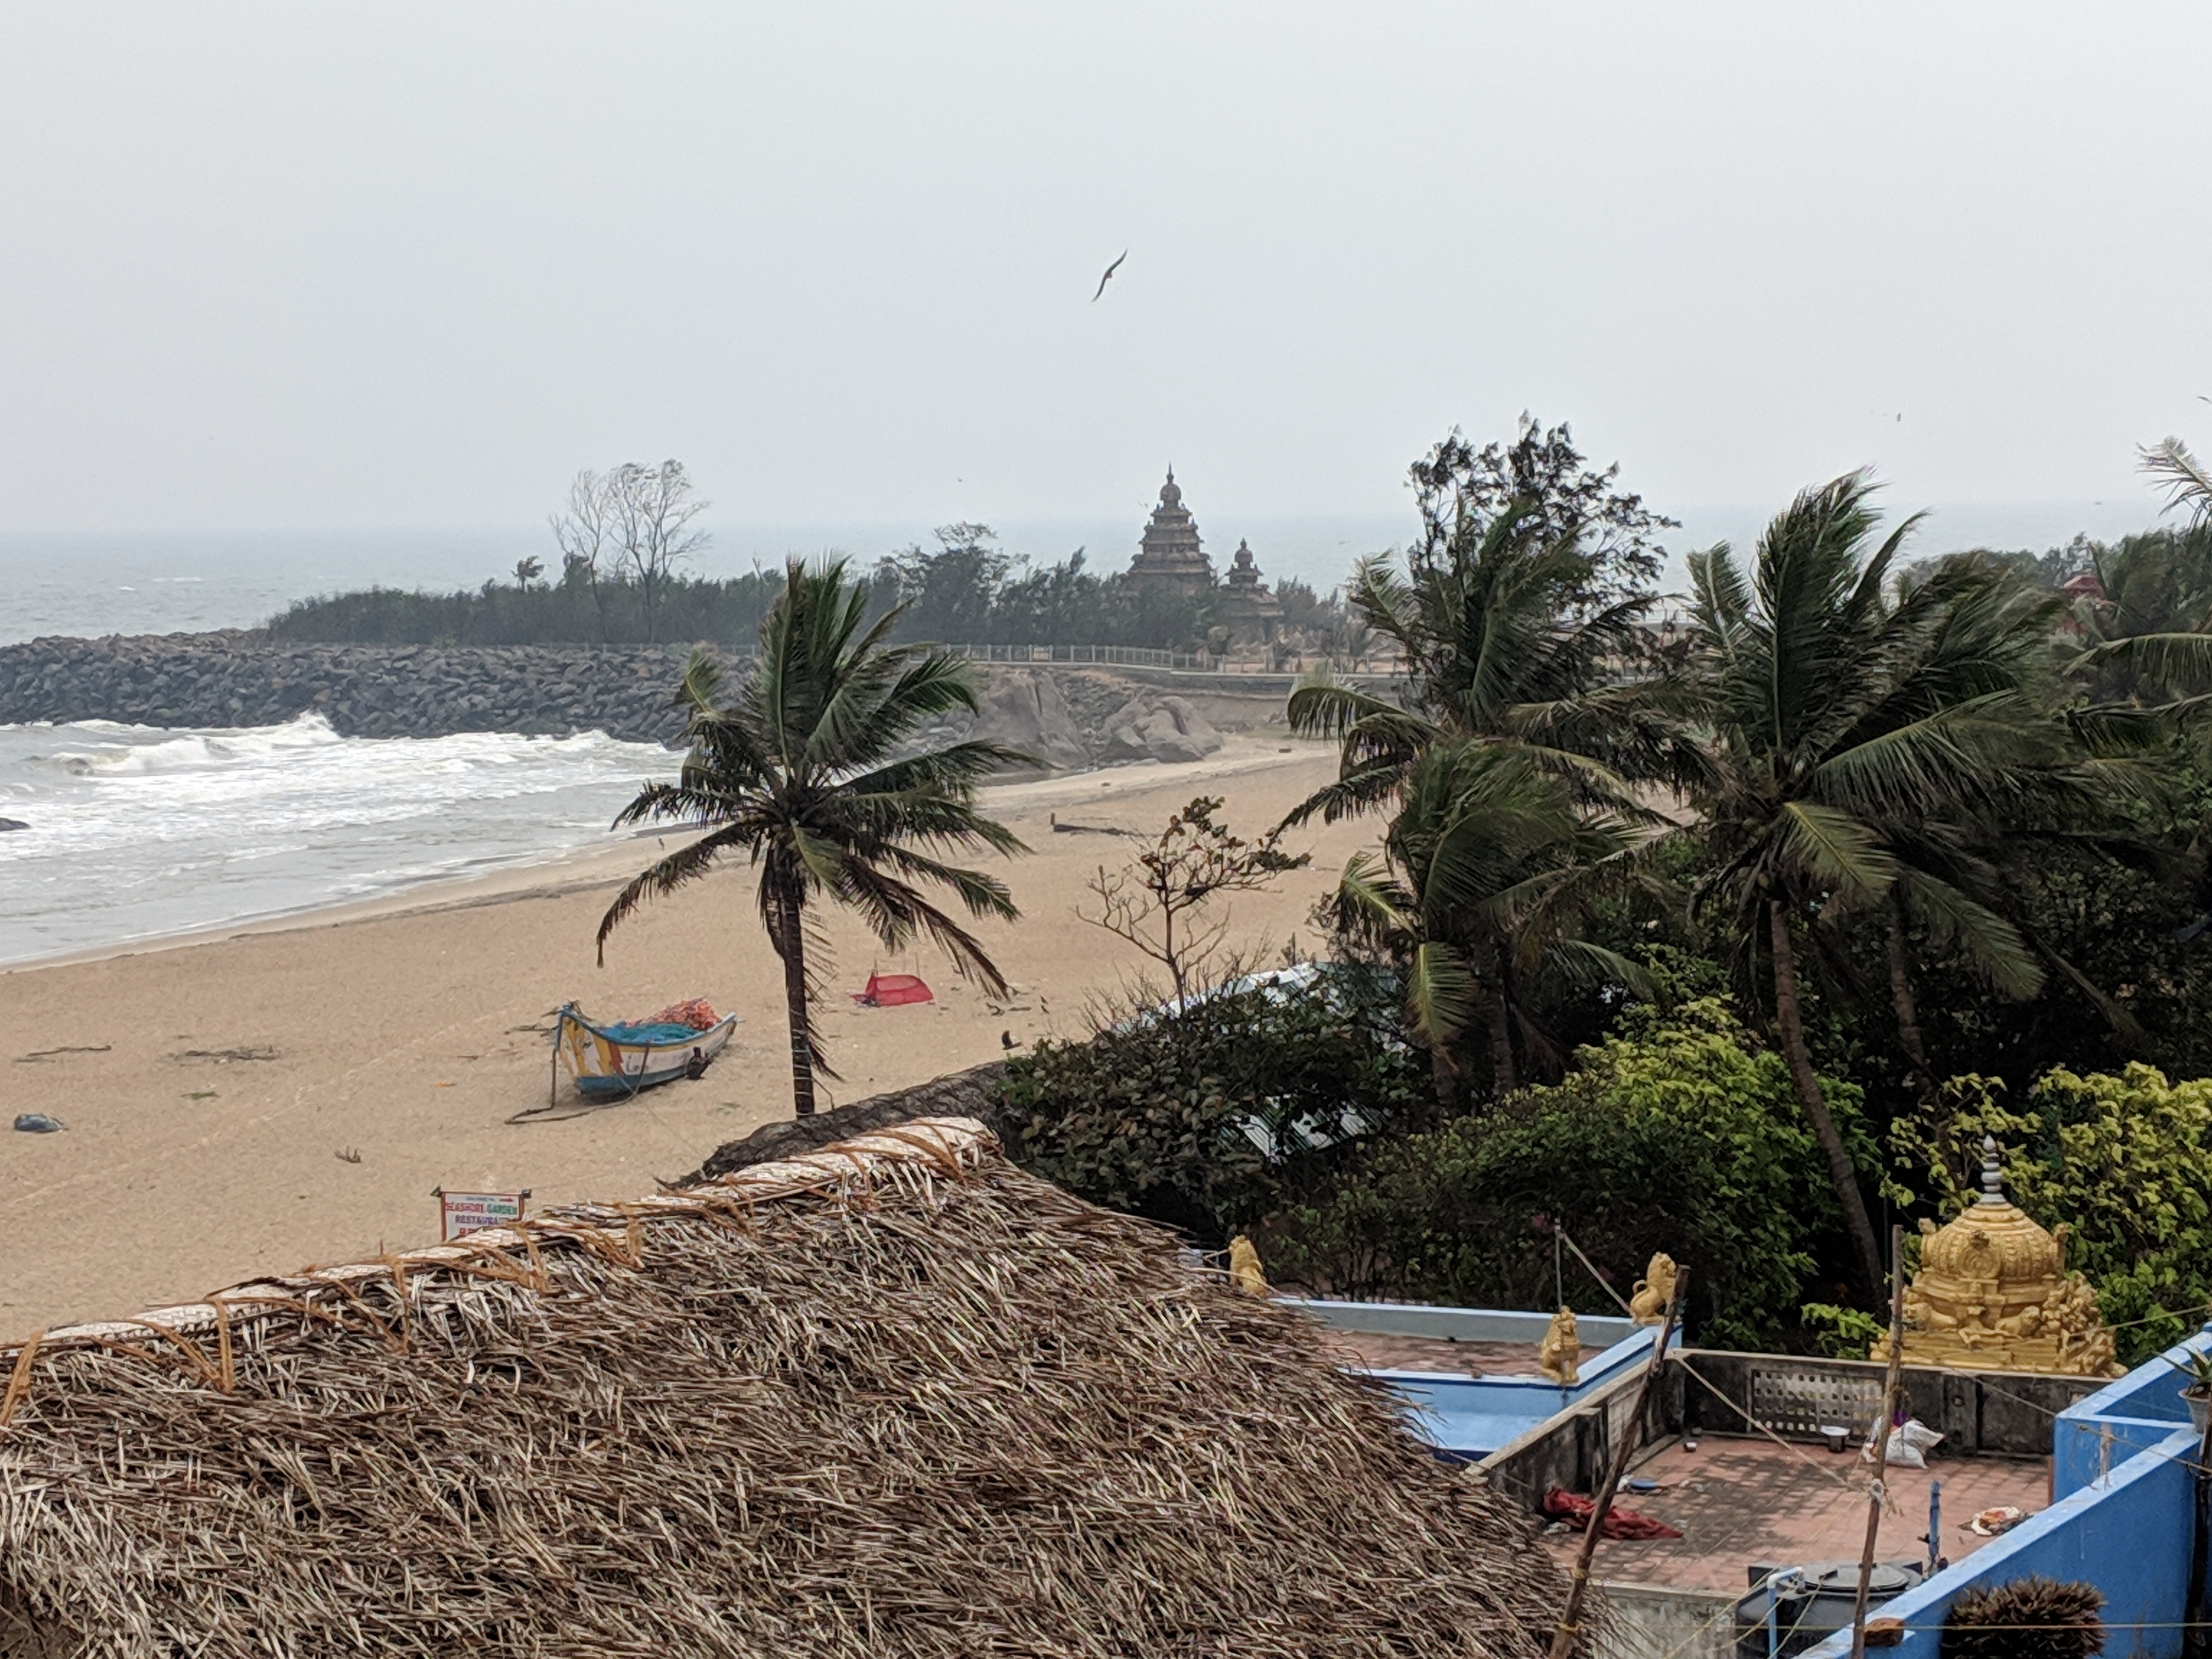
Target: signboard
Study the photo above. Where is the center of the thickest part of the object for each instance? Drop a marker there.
(467, 1213)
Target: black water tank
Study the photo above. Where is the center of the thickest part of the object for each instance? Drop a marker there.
(1815, 1605)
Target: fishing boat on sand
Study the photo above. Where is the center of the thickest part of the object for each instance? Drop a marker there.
(613, 1062)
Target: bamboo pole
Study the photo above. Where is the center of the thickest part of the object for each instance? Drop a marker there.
(1564, 1633)
(1878, 1494)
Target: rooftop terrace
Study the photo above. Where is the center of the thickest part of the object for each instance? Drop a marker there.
(1737, 1501)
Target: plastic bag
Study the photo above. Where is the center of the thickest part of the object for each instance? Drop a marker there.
(1910, 1442)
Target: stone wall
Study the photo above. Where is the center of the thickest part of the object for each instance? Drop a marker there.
(376, 691)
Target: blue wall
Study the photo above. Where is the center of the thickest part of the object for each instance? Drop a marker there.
(2123, 1521)
(2095, 1435)
(1471, 1417)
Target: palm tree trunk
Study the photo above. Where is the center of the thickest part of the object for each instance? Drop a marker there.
(1502, 1077)
(794, 1004)
(1908, 1010)
(1786, 1015)
(1443, 1072)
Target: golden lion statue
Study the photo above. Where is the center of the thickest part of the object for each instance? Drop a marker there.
(1647, 1303)
(1560, 1355)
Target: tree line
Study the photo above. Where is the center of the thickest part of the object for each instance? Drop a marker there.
(625, 537)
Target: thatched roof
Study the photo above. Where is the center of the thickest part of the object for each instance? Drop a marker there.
(895, 1399)
(979, 1092)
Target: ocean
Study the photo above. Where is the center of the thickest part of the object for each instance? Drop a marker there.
(136, 834)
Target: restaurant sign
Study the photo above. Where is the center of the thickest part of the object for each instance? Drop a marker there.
(468, 1212)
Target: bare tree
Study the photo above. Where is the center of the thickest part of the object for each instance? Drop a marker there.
(582, 532)
(1150, 902)
(654, 514)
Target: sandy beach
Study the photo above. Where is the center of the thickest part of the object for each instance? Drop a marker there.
(210, 1086)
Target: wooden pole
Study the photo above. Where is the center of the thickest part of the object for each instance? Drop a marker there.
(1878, 1495)
(1564, 1633)
(2194, 1608)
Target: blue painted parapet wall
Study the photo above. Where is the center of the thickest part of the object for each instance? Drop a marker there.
(2123, 1520)
(1469, 1417)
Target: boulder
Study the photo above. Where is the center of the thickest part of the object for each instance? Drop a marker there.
(1027, 712)
(1153, 727)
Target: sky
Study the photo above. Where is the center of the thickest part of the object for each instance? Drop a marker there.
(337, 267)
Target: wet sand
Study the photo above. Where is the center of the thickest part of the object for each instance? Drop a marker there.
(210, 1086)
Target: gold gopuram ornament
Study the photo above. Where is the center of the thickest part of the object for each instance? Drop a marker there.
(1993, 1294)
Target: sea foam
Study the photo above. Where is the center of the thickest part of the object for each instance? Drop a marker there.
(138, 832)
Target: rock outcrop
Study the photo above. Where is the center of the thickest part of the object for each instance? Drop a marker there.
(1027, 712)
(1162, 727)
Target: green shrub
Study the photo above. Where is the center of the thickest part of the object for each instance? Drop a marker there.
(2124, 1162)
(1149, 1115)
(1840, 1333)
(1675, 1134)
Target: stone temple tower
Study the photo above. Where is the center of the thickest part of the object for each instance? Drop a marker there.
(1254, 612)
(1170, 555)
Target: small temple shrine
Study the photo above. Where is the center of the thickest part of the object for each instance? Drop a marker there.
(1169, 555)
(1993, 1294)
(1254, 613)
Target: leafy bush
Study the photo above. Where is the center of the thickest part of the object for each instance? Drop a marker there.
(1674, 1134)
(2124, 1161)
(575, 610)
(1150, 1116)
(1840, 1333)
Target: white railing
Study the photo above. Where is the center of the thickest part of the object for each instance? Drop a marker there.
(1132, 656)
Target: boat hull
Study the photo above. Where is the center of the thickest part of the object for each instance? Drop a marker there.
(608, 1068)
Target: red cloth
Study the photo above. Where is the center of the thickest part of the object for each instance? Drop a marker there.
(892, 991)
(1618, 1522)
(695, 1012)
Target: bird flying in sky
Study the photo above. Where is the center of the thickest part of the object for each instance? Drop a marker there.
(1109, 276)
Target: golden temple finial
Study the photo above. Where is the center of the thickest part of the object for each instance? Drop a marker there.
(1560, 1355)
(1245, 1269)
(1647, 1303)
(1993, 1294)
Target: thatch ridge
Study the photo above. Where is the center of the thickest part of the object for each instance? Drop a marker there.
(893, 1398)
(979, 1092)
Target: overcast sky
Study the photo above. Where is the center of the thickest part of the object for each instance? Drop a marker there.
(329, 267)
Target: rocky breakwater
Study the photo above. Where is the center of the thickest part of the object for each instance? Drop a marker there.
(236, 679)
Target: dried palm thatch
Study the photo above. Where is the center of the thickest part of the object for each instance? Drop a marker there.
(895, 1398)
(2031, 1618)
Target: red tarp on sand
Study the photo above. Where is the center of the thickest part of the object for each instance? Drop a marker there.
(891, 990)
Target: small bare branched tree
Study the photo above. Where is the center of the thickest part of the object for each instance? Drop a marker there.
(654, 513)
(1153, 903)
(582, 531)
(631, 525)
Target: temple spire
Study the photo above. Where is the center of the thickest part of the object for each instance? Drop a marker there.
(1992, 1173)
(1170, 554)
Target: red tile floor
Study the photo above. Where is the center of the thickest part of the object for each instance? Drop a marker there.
(1739, 1500)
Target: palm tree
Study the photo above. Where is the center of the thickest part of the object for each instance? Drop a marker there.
(2186, 480)
(1484, 874)
(1500, 644)
(1862, 742)
(800, 771)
